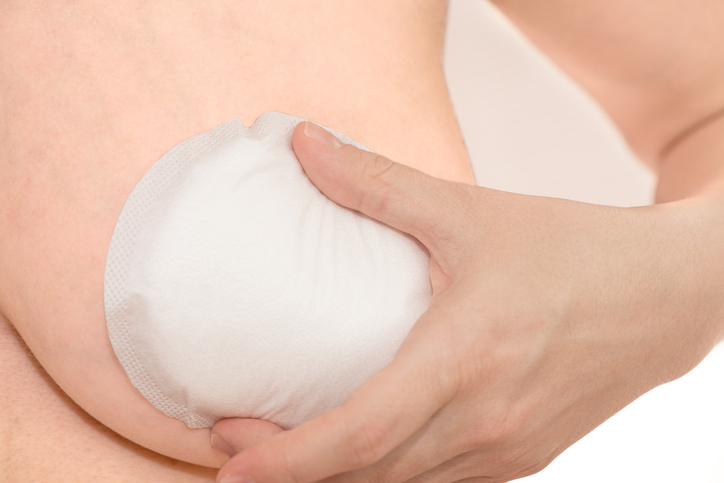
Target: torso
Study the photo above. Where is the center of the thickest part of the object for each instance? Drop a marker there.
(90, 97)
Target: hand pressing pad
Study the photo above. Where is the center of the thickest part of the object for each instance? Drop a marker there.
(234, 288)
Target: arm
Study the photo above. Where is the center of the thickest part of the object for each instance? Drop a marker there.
(575, 310)
(548, 316)
(655, 67)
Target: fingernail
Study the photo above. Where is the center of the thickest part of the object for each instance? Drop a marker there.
(218, 443)
(236, 479)
(321, 135)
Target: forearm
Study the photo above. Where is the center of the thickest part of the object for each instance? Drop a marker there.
(548, 316)
(691, 181)
(653, 68)
(685, 256)
(693, 172)
(680, 267)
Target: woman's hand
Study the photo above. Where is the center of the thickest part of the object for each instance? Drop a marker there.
(547, 317)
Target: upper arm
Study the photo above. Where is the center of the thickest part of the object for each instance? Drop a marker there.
(656, 67)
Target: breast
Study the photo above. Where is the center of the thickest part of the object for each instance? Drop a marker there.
(234, 288)
(93, 98)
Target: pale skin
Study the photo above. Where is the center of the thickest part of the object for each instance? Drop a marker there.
(91, 95)
(544, 332)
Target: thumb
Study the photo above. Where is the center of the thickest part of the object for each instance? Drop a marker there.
(234, 435)
(397, 195)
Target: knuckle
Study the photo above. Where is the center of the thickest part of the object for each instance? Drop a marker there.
(257, 461)
(514, 460)
(504, 465)
(285, 464)
(376, 173)
(376, 167)
(519, 462)
(536, 467)
(365, 445)
(500, 430)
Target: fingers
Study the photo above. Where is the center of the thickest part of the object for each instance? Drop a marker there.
(397, 195)
(234, 435)
(378, 417)
(468, 469)
(440, 440)
(477, 466)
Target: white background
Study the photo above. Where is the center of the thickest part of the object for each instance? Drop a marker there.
(531, 130)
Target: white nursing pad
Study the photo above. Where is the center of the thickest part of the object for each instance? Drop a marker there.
(234, 288)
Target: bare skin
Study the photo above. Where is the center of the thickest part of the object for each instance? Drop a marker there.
(45, 436)
(90, 97)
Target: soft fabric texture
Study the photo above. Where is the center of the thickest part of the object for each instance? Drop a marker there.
(234, 288)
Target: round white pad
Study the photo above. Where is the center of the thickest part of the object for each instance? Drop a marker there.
(234, 288)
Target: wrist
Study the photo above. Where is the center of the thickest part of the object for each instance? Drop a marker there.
(688, 263)
(692, 175)
(653, 285)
